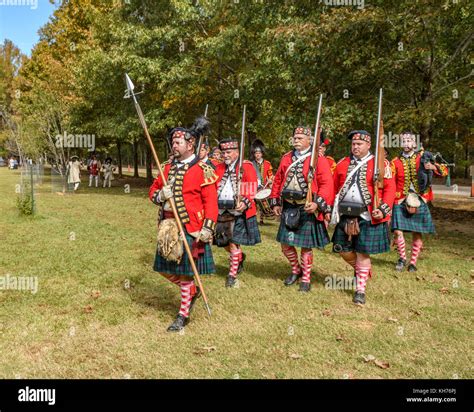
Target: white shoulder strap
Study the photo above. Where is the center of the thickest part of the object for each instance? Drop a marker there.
(300, 159)
(335, 210)
(353, 172)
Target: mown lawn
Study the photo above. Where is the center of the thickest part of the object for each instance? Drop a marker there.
(85, 322)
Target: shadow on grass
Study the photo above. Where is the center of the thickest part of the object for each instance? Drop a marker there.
(159, 295)
(444, 214)
(383, 262)
(278, 273)
(158, 298)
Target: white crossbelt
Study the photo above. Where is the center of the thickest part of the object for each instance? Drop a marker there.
(335, 211)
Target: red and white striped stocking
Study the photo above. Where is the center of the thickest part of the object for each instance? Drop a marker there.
(292, 256)
(306, 265)
(188, 290)
(400, 243)
(235, 257)
(415, 251)
(362, 273)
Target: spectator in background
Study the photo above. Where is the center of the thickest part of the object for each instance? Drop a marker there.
(73, 172)
(215, 155)
(94, 168)
(108, 168)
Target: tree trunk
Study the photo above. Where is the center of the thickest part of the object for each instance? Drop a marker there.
(135, 158)
(149, 160)
(426, 130)
(466, 168)
(119, 157)
(251, 138)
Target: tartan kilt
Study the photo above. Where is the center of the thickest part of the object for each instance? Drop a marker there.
(371, 240)
(205, 263)
(246, 231)
(420, 222)
(310, 234)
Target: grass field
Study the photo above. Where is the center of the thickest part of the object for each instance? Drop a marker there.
(101, 312)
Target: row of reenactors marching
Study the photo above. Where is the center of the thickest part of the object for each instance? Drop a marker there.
(217, 205)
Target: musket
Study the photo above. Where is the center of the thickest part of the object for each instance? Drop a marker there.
(129, 93)
(198, 148)
(241, 157)
(379, 162)
(315, 151)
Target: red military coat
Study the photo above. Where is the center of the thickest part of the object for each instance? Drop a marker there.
(195, 194)
(402, 180)
(215, 162)
(332, 163)
(322, 186)
(266, 171)
(386, 194)
(248, 184)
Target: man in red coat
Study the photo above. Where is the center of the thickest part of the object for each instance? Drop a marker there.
(264, 171)
(262, 167)
(237, 222)
(302, 224)
(192, 185)
(94, 167)
(361, 230)
(215, 155)
(411, 212)
(325, 142)
(204, 154)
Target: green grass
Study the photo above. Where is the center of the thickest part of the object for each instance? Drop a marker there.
(260, 330)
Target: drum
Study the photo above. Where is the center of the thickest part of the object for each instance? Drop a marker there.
(261, 199)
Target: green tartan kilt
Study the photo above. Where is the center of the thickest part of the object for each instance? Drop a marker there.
(246, 231)
(371, 240)
(420, 222)
(205, 263)
(311, 233)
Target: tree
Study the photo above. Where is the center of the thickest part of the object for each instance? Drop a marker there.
(274, 56)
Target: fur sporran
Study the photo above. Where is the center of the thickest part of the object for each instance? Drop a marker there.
(170, 243)
(224, 229)
(412, 203)
(351, 227)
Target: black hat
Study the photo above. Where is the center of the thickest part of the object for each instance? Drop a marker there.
(205, 143)
(323, 140)
(302, 130)
(200, 127)
(359, 135)
(257, 146)
(229, 143)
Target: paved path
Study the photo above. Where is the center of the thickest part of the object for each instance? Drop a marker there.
(454, 190)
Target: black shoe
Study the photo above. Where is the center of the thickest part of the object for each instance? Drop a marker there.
(291, 279)
(359, 297)
(305, 287)
(195, 298)
(412, 268)
(241, 264)
(400, 265)
(179, 323)
(230, 282)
